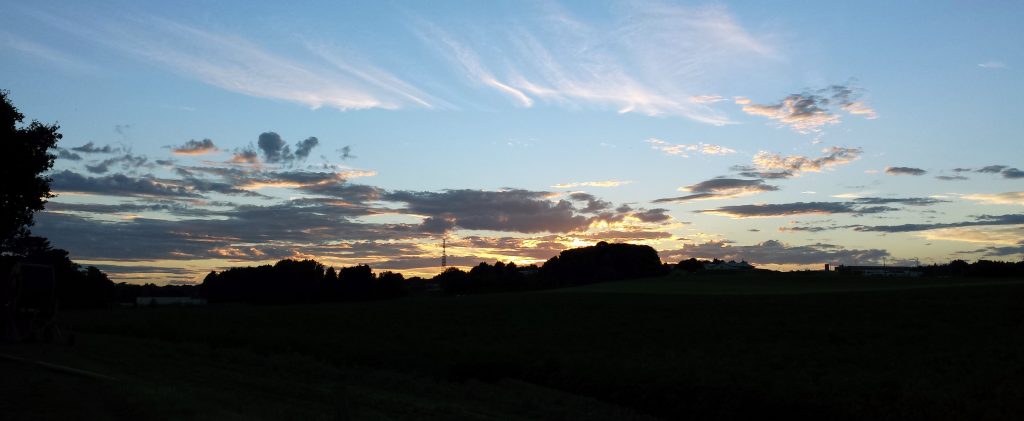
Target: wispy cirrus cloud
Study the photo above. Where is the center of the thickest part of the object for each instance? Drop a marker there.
(1007, 198)
(314, 76)
(649, 61)
(685, 150)
(41, 51)
(605, 183)
(993, 64)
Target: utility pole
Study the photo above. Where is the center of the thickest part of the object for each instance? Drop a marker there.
(444, 252)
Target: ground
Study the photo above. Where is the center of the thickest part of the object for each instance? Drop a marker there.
(725, 346)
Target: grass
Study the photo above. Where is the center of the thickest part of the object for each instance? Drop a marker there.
(670, 348)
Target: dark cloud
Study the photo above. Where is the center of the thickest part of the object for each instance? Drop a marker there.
(1013, 173)
(346, 153)
(910, 201)
(951, 177)
(652, 215)
(195, 147)
(92, 148)
(126, 162)
(68, 155)
(1011, 219)
(275, 150)
(162, 206)
(594, 205)
(904, 171)
(721, 188)
(999, 251)
(247, 232)
(991, 169)
(776, 252)
(798, 208)
(304, 147)
(753, 172)
(506, 210)
(273, 147)
(116, 185)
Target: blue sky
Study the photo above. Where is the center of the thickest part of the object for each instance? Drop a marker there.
(789, 134)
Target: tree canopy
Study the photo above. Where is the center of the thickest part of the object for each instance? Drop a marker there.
(24, 160)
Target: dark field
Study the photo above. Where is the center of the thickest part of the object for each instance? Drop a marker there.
(672, 348)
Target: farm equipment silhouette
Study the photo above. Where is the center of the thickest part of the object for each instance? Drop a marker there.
(30, 305)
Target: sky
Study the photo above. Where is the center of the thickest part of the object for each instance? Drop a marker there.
(203, 135)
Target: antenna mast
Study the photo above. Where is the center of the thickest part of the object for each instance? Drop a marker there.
(444, 252)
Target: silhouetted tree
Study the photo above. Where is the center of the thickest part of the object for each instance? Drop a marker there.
(603, 262)
(690, 265)
(24, 157)
(453, 280)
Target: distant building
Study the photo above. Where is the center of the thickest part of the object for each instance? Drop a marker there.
(730, 265)
(169, 301)
(881, 271)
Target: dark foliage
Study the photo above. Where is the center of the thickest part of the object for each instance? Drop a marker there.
(127, 293)
(602, 262)
(981, 268)
(76, 287)
(24, 157)
(293, 281)
(690, 265)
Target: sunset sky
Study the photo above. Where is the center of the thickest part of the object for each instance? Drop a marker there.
(204, 135)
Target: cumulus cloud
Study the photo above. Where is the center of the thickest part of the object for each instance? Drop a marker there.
(809, 112)
(904, 171)
(769, 165)
(303, 147)
(273, 147)
(790, 209)
(776, 252)
(685, 150)
(195, 147)
(720, 188)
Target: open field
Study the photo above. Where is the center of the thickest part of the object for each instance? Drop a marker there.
(663, 348)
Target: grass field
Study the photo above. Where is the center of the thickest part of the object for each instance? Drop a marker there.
(670, 348)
